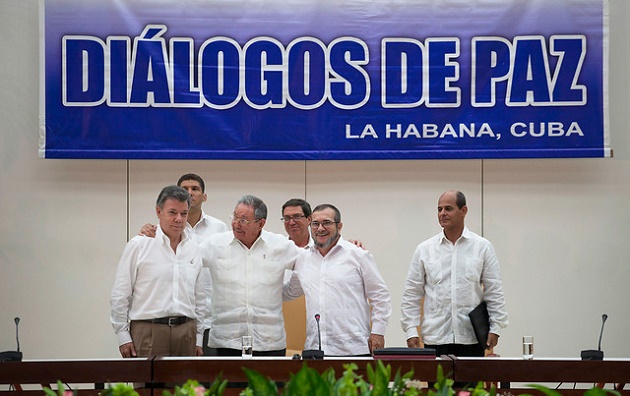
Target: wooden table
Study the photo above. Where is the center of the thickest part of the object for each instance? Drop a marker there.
(156, 371)
(97, 372)
(612, 371)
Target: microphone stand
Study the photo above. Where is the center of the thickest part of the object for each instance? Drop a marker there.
(315, 354)
(592, 354)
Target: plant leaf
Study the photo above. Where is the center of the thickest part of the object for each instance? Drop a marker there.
(259, 384)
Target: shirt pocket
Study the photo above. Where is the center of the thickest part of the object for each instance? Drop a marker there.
(271, 274)
(189, 270)
(433, 272)
(225, 272)
(474, 267)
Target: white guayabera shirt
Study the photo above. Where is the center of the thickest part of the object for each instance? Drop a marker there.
(205, 227)
(246, 289)
(453, 279)
(346, 289)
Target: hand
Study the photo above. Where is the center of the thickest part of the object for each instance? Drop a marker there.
(376, 341)
(493, 340)
(127, 350)
(148, 230)
(357, 243)
(413, 342)
(199, 351)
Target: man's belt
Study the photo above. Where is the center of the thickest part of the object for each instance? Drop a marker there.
(170, 320)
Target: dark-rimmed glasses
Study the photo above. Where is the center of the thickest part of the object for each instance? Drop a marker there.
(326, 224)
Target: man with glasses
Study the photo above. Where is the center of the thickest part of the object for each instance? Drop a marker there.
(296, 217)
(247, 268)
(346, 297)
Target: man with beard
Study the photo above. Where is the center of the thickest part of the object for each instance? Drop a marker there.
(343, 288)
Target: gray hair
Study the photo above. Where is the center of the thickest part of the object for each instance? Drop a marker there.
(173, 192)
(260, 209)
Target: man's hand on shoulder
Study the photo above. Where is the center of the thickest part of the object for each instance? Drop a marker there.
(357, 243)
(148, 230)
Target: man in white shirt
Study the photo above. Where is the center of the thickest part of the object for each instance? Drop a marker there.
(200, 226)
(454, 271)
(344, 291)
(157, 303)
(247, 269)
(296, 217)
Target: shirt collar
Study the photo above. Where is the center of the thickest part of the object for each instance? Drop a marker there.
(202, 220)
(262, 238)
(309, 244)
(159, 234)
(465, 234)
(340, 245)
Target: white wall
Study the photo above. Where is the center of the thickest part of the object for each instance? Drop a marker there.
(559, 226)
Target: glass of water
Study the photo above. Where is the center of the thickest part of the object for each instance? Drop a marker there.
(247, 344)
(528, 347)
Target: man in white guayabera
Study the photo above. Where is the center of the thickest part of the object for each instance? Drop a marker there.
(247, 267)
(454, 271)
(343, 289)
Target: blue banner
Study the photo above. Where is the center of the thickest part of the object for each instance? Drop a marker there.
(305, 80)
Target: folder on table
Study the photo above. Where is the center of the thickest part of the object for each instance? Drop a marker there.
(403, 353)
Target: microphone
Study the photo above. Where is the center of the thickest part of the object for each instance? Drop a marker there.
(315, 354)
(601, 332)
(319, 333)
(592, 354)
(13, 356)
(17, 337)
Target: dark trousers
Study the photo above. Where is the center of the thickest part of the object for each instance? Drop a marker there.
(238, 352)
(473, 350)
(207, 351)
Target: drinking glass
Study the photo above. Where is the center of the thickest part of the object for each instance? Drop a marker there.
(247, 344)
(528, 347)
